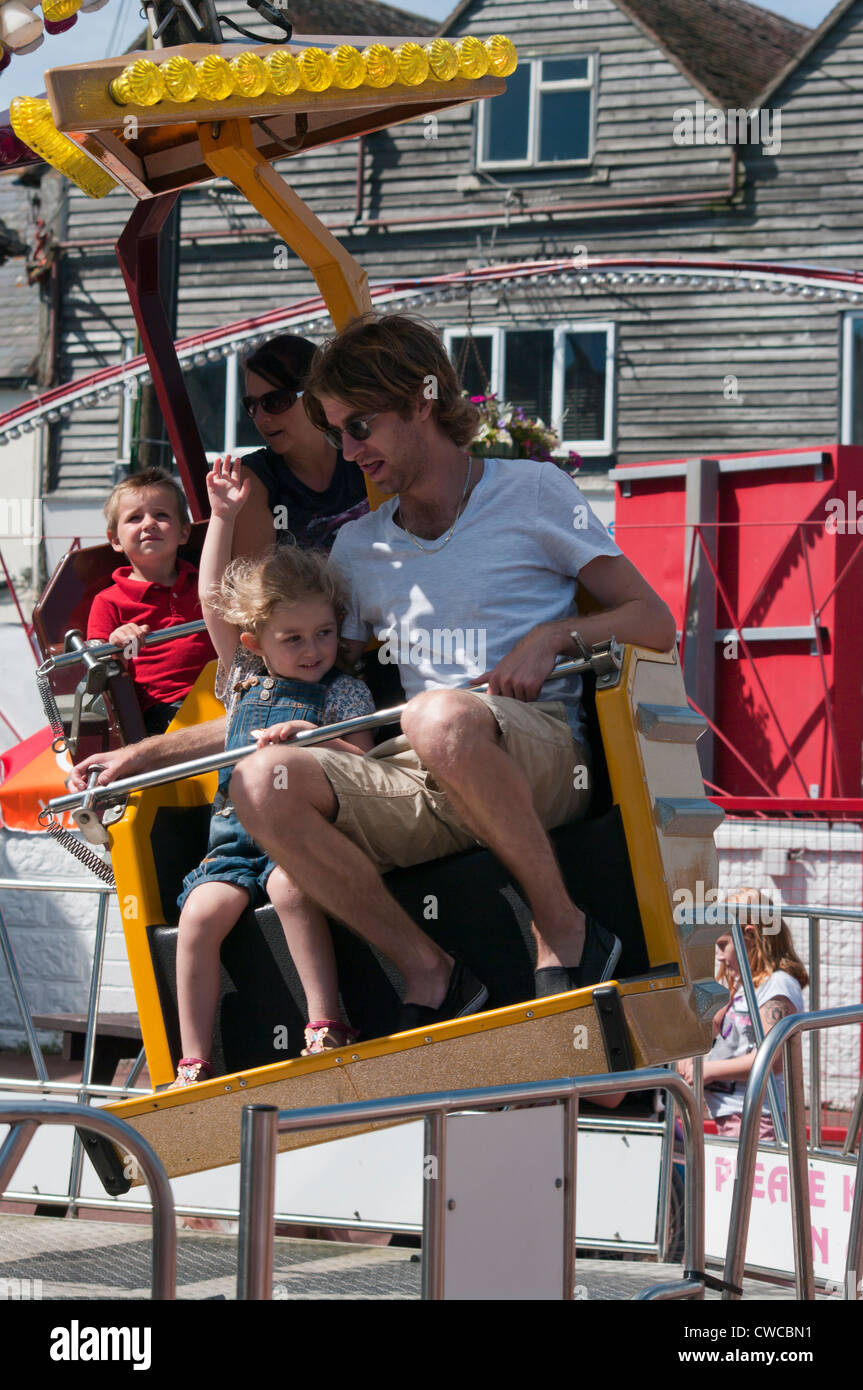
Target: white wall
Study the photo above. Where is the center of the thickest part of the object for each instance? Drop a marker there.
(19, 493)
(65, 518)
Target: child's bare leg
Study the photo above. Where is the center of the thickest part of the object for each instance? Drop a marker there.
(209, 913)
(310, 943)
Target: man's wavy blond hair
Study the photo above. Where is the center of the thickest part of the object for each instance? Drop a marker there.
(390, 362)
(253, 587)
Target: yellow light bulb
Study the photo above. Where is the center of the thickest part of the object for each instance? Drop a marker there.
(33, 123)
(413, 64)
(472, 57)
(316, 70)
(380, 65)
(251, 75)
(118, 89)
(502, 55)
(348, 67)
(443, 59)
(181, 80)
(56, 10)
(215, 79)
(284, 71)
(141, 84)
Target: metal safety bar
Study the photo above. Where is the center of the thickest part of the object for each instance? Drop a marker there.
(261, 1125)
(214, 762)
(786, 1035)
(97, 650)
(26, 1117)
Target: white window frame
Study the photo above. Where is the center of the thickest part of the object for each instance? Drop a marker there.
(485, 331)
(846, 421)
(537, 87)
(590, 448)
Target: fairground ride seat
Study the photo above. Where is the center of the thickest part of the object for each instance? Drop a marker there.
(64, 607)
(646, 845)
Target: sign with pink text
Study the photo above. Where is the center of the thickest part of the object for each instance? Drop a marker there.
(770, 1243)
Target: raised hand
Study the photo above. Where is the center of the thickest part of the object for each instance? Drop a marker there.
(228, 487)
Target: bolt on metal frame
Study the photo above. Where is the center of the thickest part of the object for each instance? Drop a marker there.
(262, 1124)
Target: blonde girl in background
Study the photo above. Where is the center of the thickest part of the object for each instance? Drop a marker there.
(779, 977)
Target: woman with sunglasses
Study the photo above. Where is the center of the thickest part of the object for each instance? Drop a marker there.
(301, 486)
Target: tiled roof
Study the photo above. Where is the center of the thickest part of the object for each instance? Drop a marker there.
(732, 49)
(334, 17)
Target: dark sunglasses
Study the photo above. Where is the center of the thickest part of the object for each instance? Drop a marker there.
(358, 430)
(272, 402)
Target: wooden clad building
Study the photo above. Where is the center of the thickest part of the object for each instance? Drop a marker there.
(605, 144)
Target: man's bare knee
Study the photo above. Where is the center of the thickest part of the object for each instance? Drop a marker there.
(438, 723)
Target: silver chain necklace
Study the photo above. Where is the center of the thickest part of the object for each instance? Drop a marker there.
(433, 549)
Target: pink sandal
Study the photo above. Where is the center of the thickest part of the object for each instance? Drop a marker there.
(326, 1035)
(191, 1070)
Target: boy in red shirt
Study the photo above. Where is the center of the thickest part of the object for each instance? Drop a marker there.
(147, 521)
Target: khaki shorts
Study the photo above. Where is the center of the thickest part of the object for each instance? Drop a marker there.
(391, 806)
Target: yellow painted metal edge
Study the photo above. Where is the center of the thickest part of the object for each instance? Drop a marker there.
(417, 1038)
(631, 794)
(136, 879)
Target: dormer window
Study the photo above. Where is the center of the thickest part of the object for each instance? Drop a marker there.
(544, 119)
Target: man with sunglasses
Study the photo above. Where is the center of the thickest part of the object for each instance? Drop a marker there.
(495, 546)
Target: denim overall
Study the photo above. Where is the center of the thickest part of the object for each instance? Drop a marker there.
(232, 857)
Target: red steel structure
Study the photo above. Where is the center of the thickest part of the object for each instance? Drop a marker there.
(761, 561)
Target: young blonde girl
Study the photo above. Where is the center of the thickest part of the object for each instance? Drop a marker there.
(274, 621)
(779, 977)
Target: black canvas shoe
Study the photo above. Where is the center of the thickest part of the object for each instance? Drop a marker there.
(600, 956)
(465, 995)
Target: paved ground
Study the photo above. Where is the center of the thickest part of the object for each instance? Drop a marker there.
(109, 1260)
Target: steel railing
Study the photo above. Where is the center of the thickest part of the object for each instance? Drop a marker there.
(785, 1035)
(26, 1117)
(262, 1124)
(606, 656)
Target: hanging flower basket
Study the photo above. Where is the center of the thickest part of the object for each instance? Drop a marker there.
(507, 432)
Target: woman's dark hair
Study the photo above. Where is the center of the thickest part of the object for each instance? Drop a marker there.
(283, 361)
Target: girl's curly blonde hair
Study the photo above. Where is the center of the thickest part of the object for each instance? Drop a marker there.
(253, 587)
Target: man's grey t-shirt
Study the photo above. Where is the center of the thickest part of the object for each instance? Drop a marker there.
(511, 564)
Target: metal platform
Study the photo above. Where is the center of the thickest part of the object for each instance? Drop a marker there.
(79, 1260)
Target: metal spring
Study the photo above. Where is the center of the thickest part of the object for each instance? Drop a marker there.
(49, 704)
(88, 857)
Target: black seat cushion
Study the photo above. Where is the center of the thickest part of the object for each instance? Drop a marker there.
(466, 902)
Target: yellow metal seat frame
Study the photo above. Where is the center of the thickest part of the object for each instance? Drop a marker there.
(667, 1014)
